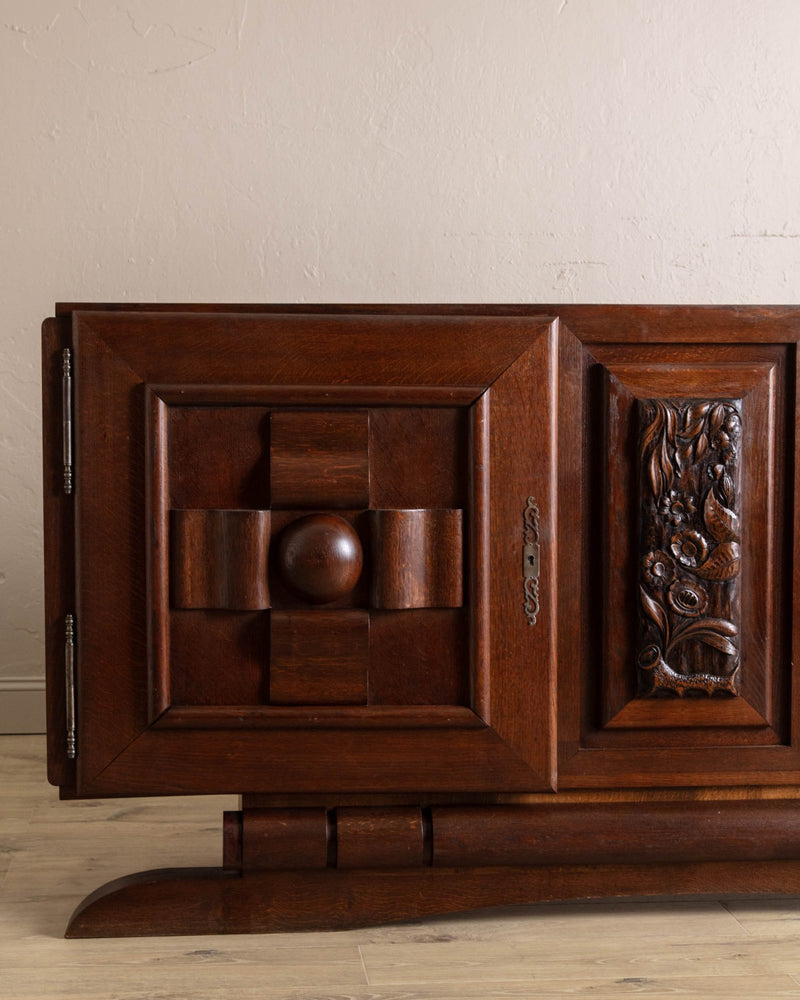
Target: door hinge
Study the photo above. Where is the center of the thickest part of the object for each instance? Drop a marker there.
(69, 665)
(66, 411)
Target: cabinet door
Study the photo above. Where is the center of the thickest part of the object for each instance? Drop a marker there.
(677, 542)
(313, 553)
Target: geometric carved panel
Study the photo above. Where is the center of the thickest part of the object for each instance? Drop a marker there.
(319, 657)
(689, 554)
(417, 558)
(219, 559)
(300, 391)
(319, 459)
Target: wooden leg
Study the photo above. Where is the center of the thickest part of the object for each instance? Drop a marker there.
(317, 869)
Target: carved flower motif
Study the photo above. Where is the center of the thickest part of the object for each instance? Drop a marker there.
(658, 568)
(688, 599)
(689, 548)
(677, 506)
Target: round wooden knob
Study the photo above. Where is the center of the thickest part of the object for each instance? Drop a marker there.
(320, 557)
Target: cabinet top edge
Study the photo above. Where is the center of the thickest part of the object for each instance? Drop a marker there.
(432, 308)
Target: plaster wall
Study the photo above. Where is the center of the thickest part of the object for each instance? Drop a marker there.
(375, 150)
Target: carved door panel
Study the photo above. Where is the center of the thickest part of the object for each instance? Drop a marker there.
(681, 671)
(306, 554)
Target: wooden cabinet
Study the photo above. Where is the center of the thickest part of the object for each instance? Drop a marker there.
(456, 597)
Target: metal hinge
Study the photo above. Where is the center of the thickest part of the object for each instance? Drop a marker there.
(66, 415)
(69, 665)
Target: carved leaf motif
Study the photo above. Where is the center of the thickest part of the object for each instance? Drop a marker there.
(722, 564)
(654, 611)
(718, 642)
(701, 447)
(695, 416)
(726, 488)
(722, 523)
(659, 446)
(716, 632)
(720, 625)
(716, 419)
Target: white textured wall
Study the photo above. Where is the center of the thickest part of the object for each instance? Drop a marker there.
(378, 150)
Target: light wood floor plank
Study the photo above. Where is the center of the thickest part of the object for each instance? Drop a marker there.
(599, 958)
(53, 853)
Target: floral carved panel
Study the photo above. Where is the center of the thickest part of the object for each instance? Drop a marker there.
(690, 461)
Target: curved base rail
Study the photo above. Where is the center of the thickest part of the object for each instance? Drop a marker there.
(217, 901)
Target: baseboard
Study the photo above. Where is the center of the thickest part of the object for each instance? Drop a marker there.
(22, 705)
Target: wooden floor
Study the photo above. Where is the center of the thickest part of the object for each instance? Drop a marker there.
(53, 853)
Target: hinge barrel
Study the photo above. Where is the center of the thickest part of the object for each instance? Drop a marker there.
(69, 663)
(66, 404)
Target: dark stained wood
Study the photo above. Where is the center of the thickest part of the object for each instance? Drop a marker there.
(275, 839)
(480, 556)
(379, 838)
(312, 349)
(615, 834)
(484, 412)
(232, 840)
(283, 596)
(219, 559)
(690, 553)
(318, 657)
(635, 373)
(522, 464)
(279, 759)
(419, 657)
(157, 556)
(424, 353)
(212, 901)
(389, 716)
(218, 455)
(277, 396)
(633, 323)
(418, 456)
(720, 734)
(320, 557)
(113, 660)
(319, 458)
(218, 659)
(417, 559)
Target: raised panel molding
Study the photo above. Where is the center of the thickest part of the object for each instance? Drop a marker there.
(443, 688)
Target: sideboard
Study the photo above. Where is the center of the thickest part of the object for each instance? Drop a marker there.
(472, 605)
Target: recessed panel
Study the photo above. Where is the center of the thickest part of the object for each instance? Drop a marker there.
(318, 657)
(682, 661)
(689, 548)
